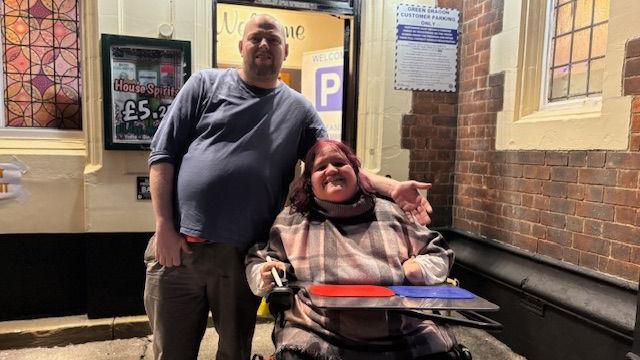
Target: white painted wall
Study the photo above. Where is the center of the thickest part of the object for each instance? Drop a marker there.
(380, 106)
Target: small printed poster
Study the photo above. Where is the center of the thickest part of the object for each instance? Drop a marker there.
(426, 48)
(143, 188)
(141, 78)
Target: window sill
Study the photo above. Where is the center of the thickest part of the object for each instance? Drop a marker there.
(579, 110)
(585, 125)
(37, 141)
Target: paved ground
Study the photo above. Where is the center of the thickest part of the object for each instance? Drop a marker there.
(483, 347)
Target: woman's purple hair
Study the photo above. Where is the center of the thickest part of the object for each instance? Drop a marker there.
(302, 193)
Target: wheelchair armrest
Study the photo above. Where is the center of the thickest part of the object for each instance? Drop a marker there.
(280, 299)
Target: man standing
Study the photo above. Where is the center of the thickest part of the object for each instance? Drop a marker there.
(220, 167)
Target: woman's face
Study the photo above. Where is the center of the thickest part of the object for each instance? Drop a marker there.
(332, 177)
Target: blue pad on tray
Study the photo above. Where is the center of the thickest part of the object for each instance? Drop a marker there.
(438, 291)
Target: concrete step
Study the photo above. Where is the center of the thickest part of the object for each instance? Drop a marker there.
(61, 331)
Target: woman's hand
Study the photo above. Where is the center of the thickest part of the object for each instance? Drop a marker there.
(268, 282)
(412, 271)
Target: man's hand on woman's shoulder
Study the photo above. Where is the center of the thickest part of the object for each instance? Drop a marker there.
(406, 195)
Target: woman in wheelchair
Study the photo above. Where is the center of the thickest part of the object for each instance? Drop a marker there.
(336, 232)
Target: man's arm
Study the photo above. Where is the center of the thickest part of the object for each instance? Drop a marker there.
(168, 241)
(405, 194)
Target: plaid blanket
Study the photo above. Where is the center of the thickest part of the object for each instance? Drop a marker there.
(363, 243)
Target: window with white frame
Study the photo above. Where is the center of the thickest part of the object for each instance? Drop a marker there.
(575, 48)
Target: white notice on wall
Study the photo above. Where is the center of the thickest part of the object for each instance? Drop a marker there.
(426, 48)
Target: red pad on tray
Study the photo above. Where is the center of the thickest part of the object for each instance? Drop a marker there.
(350, 290)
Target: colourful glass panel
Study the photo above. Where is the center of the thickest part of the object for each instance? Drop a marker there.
(41, 47)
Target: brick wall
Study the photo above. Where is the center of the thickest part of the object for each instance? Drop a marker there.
(581, 207)
(429, 132)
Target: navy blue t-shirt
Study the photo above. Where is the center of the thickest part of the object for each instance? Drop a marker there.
(234, 147)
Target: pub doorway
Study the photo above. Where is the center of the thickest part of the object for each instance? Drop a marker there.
(323, 43)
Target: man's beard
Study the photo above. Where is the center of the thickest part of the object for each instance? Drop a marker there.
(262, 70)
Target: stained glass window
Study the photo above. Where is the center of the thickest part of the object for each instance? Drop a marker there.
(577, 48)
(41, 55)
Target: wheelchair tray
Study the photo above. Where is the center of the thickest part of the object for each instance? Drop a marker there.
(396, 302)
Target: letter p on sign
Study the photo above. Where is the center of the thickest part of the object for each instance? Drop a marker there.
(329, 88)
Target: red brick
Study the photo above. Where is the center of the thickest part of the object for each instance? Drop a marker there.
(558, 236)
(621, 196)
(464, 155)
(593, 227)
(444, 120)
(552, 219)
(623, 233)
(550, 249)
(524, 228)
(564, 174)
(628, 179)
(554, 189)
(588, 260)
(496, 27)
(596, 159)
(447, 109)
(541, 202)
(496, 92)
(536, 172)
(496, 79)
(625, 215)
(635, 105)
(623, 160)
(591, 244)
(525, 242)
(526, 157)
(522, 213)
(603, 263)
(594, 193)
(632, 48)
(496, 156)
(539, 231)
(571, 255)
(577, 158)
(634, 142)
(556, 158)
(574, 223)
(622, 269)
(595, 211)
(632, 67)
(508, 224)
(635, 118)
(529, 186)
(631, 85)
(597, 176)
(620, 251)
(493, 232)
(575, 191)
(562, 206)
(512, 170)
(635, 255)
(494, 105)
(481, 70)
